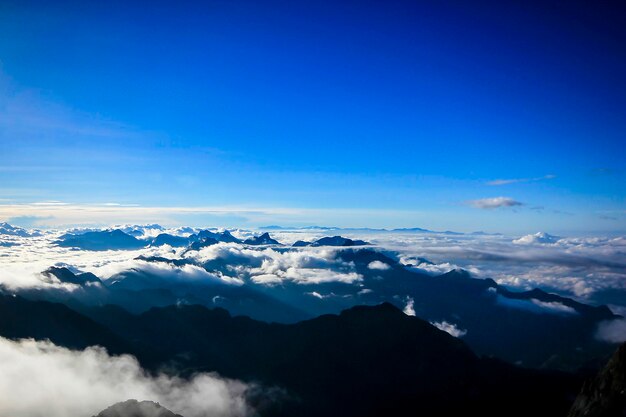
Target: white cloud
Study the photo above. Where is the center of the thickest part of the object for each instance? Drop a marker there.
(378, 265)
(449, 328)
(519, 180)
(554, 306)
(582, 267)
(579, 267)
(537, 238)
(57, 382)
(536, 306)
(316, 295)
(494, 202)
(270, 267)
(409, 308)
(306, 276)
(613, 331)
(267, 279)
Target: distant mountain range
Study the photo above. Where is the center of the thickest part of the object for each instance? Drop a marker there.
(368, 229)
(8, 230)
(332, 241)
(118, 240)
(101, 240)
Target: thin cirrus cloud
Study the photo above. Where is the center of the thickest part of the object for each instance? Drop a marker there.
(519, 180)
(494, 202)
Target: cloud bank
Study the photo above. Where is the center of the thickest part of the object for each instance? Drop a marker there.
(591, 268)
(58, 382)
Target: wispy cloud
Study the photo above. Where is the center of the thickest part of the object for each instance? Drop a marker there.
(450, 328)
(518, 180)
(494, 202)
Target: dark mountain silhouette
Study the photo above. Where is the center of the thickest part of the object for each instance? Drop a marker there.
(497, 321)
(412, 229)
(167, 239)
(101, 240)
(225, 237)
(21, 318)
(264, 239)
(600, 312)
(338, 241)
(604, 395)
(139, 230)
(9, 230)
(420, 260)
(533, 328)
(332, 241)
(203, 243)
(134, 408)
(68, 277)
(275, 227)
(366, 361)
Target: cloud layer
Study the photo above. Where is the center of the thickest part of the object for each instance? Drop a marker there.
(591, 269)
(58, 382)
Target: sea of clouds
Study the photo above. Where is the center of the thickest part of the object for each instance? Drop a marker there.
(60, 382)
(590, 269)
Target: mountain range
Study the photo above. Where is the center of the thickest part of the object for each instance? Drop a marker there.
(533, 328)
(117, 239)
(366, 361)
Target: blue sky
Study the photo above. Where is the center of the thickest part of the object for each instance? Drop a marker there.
(380, 114)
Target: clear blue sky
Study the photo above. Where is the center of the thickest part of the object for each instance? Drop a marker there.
(382, 114)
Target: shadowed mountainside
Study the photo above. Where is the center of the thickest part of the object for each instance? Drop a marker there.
(604, 395)
(366, 361)
(533, 328)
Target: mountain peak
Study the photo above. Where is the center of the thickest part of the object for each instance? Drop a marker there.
(537, 238)
(64, 275)
(10, 230)
(264, 239)
(134, 408)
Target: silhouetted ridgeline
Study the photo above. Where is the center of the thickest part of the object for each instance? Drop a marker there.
(367, 361)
